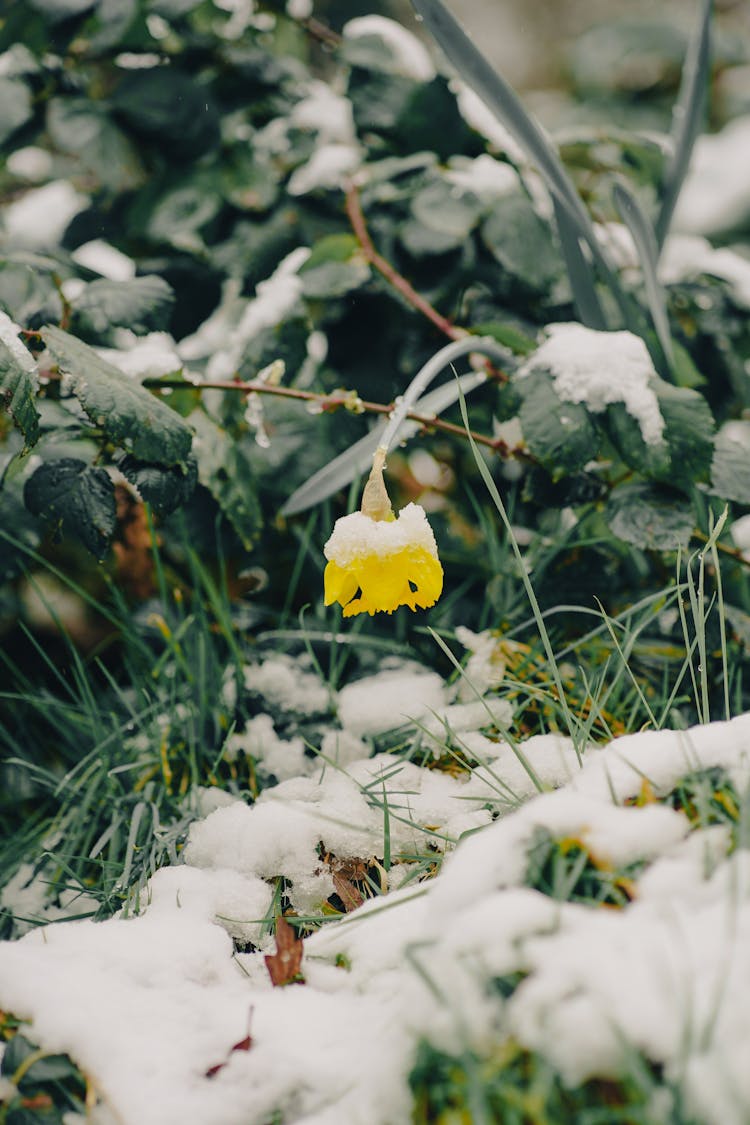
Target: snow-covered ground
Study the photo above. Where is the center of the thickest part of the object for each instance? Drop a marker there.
(150, 1006)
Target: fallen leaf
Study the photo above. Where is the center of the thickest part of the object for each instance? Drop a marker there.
(284, 966)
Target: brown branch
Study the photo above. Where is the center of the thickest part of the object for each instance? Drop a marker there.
(384, 267)
(335, 401)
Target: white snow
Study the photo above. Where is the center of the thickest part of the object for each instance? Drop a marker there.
(30, 163)
(408, 55)
(476, 114)
(148, 1005)
(356, 535)
(9, 335)
(37, 220)
(105, 259)
(715, 196)
(286, 683)
(328, 167)
(388, 699)
(688, 256)
(325, 112)
(484, 175)
(600, 368)
(144, 357)
(224, 336)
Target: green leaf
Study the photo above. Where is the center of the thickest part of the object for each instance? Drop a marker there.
(82, 128)
(226, 471)
(18, 388)
(684, 456)
(688, 115)
(27, 294)
(181, 213)
(169, 107)
(15, 107)
(522, 243)
(76, 497)
(336, 266)
(129, 416)
(442, 208)
(562, 435)
(730, 468)
(142, 304)
(165, 488)
(650, 517)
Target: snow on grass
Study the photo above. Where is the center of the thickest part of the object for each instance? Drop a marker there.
(716, 194)
(600, 368)
(149, 1005)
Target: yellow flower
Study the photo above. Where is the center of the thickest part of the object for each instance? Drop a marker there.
(376, 564)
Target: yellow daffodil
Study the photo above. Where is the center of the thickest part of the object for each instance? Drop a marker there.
(377, 562)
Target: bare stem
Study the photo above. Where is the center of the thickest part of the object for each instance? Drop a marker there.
(384, 267)
(337, 401)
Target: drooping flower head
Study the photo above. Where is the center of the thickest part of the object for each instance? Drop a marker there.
(377, 562)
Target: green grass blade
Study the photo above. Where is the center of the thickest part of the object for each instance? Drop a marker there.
(642, 232)
(580, 274)
(502, 100)
(688, 118)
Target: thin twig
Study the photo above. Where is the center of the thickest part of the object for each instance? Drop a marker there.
(384, 267)
(347, 401)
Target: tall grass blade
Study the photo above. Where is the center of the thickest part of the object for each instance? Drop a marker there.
(639, 225)
(580, 274)
(687, 120)
(503, 101)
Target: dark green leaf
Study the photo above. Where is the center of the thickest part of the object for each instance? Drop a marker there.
(560, 434)
(57, 10)
(143, 304)
(18, 388)
(165, 489)
(650, 517)
(27, 294)
(688, 115)
(129, 416)
(522, 243)
(226, 471)
(442, 208)
(730, 468)
(180, 214)
(170, 107)
(81, 127)
(77, 498)
(15, 106)
(684, 456)
(642, 233)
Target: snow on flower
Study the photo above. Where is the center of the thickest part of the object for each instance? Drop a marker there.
(377, 563)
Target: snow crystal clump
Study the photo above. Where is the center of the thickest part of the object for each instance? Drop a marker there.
(329, 114)
(283, 683)
(104, 259)
(274, 756)
(389, 699)
(38, 219)
(408, 56)
(328, 166)
(687, 256)
(483, 175)
(601, 368)
(356, 535)
(715, 196)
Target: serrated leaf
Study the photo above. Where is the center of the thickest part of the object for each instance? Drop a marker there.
(142, 304)
(18, 388)
(684, 456)
(76, 497)
(650, 517)
(226, 471)
(562, 435)
(165, 488)
(730, 467)
(522, 243)
(81, 127)
(129, 416)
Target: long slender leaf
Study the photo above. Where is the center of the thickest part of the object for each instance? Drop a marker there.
(357, 458)
(687, 120)
(580, 273)
(502, 100)
(639, 225)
